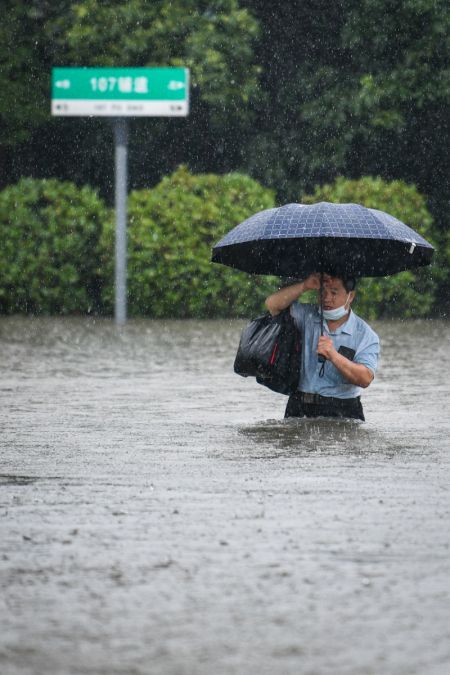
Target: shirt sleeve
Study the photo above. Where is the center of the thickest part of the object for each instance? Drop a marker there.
(298, 312)
(369, 354)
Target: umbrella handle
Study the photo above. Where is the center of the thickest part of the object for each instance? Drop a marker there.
(321, 359)
(321, 303)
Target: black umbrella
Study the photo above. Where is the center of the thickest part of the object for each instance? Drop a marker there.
(345, 239)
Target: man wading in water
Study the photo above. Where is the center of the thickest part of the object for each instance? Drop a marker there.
(330, 386)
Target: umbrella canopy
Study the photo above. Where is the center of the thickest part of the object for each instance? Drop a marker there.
(348, 239)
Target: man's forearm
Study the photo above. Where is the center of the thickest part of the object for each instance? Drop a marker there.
(278, 301)
(355, 373)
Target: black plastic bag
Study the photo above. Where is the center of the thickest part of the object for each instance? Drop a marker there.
(269, 350)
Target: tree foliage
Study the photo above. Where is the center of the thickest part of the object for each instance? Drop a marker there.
(355, 88)
(293, 96)
(26, 54)
(213, 38)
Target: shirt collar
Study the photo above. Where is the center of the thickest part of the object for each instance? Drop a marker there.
(347, 327)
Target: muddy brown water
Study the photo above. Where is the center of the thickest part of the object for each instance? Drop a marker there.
(157, 515)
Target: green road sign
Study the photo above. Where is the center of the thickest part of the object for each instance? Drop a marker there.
(117, 92)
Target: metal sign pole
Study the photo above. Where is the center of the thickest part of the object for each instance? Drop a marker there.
(121, 151)
(120, 93)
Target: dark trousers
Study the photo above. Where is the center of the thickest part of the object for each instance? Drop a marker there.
(314, 405)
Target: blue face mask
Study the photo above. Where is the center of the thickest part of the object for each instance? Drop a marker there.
(336, 314)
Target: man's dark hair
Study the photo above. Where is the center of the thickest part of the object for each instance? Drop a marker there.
(349, 283)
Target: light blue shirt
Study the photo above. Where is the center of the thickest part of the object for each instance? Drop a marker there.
(354, 333)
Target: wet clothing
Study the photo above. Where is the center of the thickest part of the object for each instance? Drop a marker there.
(356, 340)
(314, 405)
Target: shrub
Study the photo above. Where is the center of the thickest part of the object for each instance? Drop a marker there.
(442, 275)
(171, 231)
(49, 247)
(407, 294)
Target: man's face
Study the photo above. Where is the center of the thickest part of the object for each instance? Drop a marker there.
(334, 293)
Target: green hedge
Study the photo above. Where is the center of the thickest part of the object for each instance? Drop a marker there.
(49, 233)
(442, 275)
(407, 294)
(57, 247)
(171, 231)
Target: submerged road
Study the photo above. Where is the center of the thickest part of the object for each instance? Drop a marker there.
(158, 516)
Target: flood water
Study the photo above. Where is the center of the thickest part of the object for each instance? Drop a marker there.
(157, 515)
